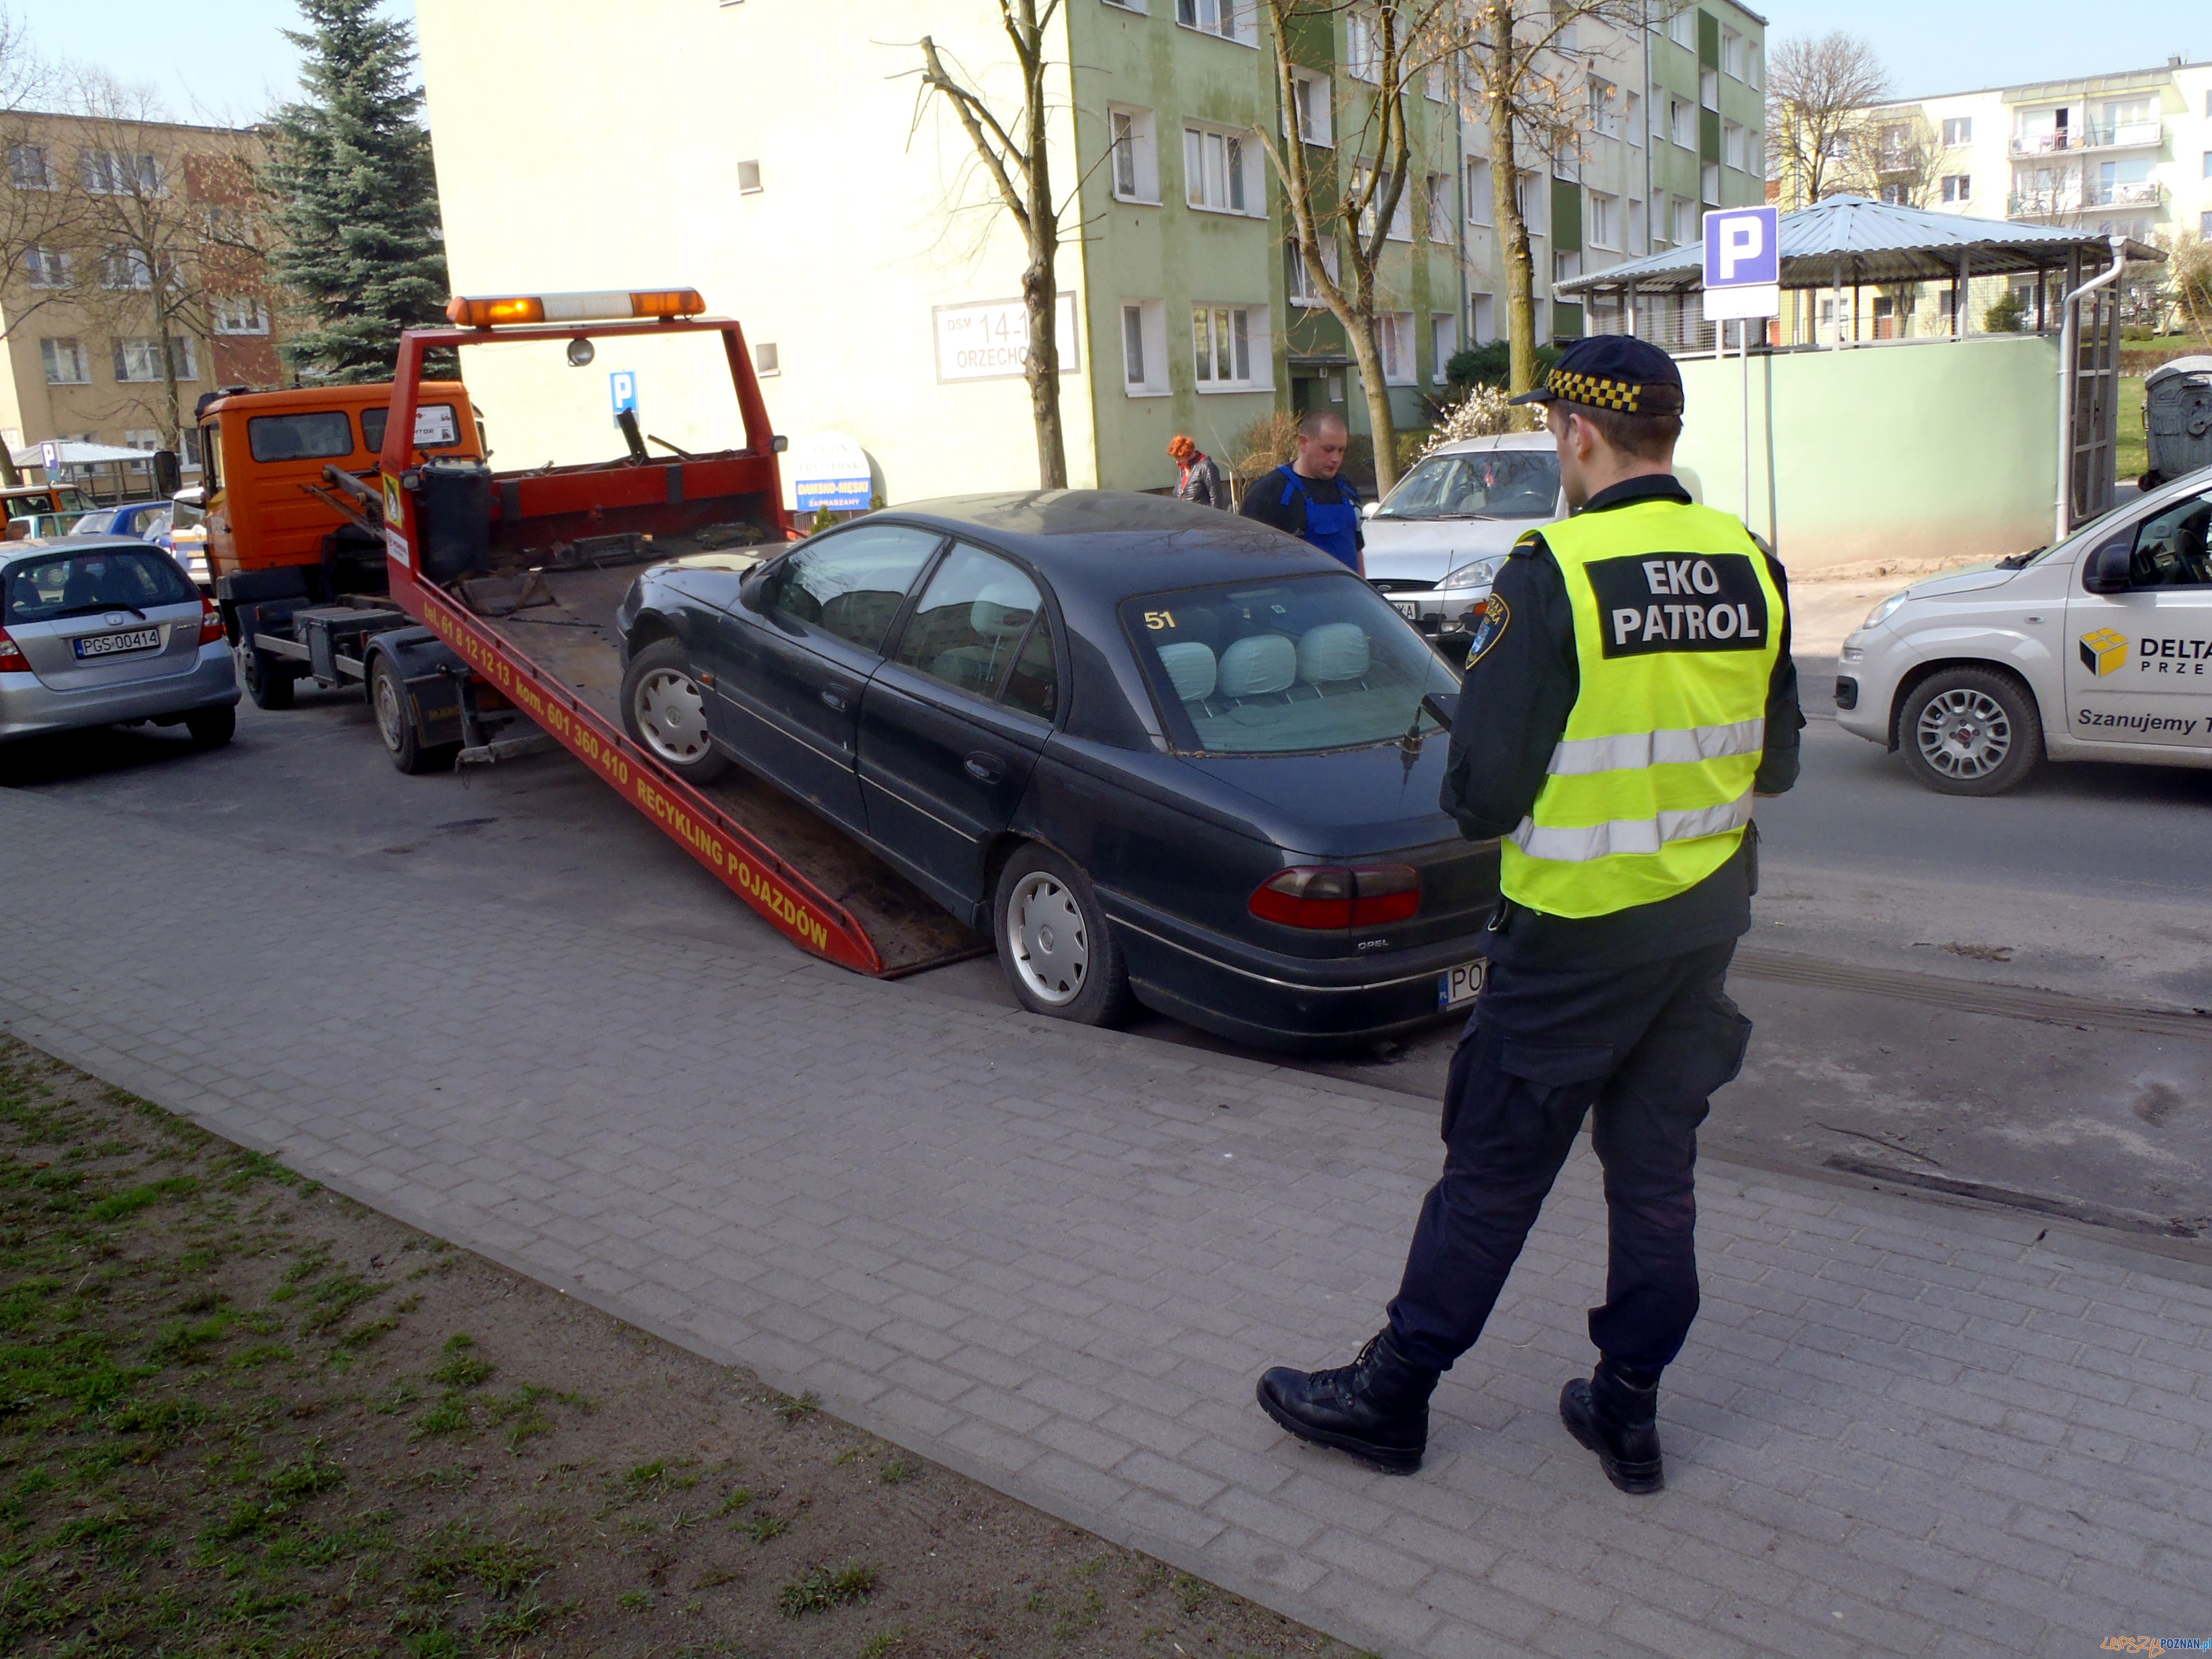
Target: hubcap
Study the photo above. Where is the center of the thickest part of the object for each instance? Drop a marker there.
(1965, 734)
(391, 718)
(672, 716)
(1049, 938)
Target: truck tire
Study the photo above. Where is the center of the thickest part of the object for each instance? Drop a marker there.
(395, 724)
(1055, 943)
(212, 728)
(664, 709)
(1970, 730)
(268, 681)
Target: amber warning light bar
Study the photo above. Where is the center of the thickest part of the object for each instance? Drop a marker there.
(470, 310)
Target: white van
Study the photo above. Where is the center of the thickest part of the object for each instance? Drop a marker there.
(2099, 648)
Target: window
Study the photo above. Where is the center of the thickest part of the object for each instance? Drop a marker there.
(1486, 319)
(1217, 172)
(1895, 194)
(1136, 154)
(850, 585)
(1751, 67)
(138, 359)
(436, 427)
(749, 178)
(1144, 348)
(1363, 46)
(1232, 20)
(1444, 343)
(1402, 215)
(2207, 164)
(1683, 123)
(1396, 328)
(1479, 204)
(1732, 54)
(116, 172)
(971, 621)
(1709, 178)
(768, 358)
(47, 267)
(2122, 181)
(1685, 223)
(1566, 265)
(1732, 145)
(1310, 105)
(124, 578)
(2170, 551)
(1531, 198)
(1033, 683)
(1958, 187)
(2205, 225)
(66, 363)
(1632, 122)
(188, 443)
(1305, 290)
(1433, 82)
(316, 436)
(1439, 206)
(1498, 484)
(126, 268)
(29, 167)
(141, 437)
(1604, 227)
(1659, 216)
(1604, 108)
(1636, 243)
(1958, 130)
(1682, 28)
(1222, 347)
(239, 313)
(1301, 664)
(1709, 88)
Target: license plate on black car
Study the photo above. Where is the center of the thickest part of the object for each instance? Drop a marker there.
(1457, 986)
(112, 645)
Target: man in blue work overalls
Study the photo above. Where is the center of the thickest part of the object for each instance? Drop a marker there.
(1307, 498)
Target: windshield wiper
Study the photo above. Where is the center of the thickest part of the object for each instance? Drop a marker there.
(87, 610)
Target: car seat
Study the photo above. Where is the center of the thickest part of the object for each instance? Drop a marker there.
(1256, 665)
(1332, 653)
(1191, 668)
(997, 618)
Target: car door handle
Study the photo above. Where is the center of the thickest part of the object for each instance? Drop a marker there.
(984, 768)
(835, 699)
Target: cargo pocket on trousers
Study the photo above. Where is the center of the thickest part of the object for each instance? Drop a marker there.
(1722, 1038)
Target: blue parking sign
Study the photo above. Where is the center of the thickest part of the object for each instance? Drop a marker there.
(622, 386)
(1741, 246)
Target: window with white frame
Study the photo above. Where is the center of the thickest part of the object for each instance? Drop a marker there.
(1732, 54)
(1636, 243)
(30, 166)
(1683, 123)
(67, 362)
(1531, 198)
(1402, 216)
(48, 267)
(1220, 172)
(1603, 229)
(1566, 265)
(1304, 289)
(1958, 186)
(1751, 67)
(1230, 347)
(1136, 161)
(188, 442)
(1396, 328)
(1895, 193)
(1685, 223)
(1439, 206)
(1480, 207)
(1433, 82)
(1567, 164)
(1362, 46)
(1709, 178)
(1958, 130)
(120, 172)
(1232, 20)
(1486, 319)
(126, 268)
(1444, 343)
(239, 313)
(141, 437)
(1732, 145)
(1632, 121)
(138, 359)
(1309, 105)
(1682, 28)
(1144, 348)
(1604, 107)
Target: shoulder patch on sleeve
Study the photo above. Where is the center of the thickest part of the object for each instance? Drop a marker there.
(1488, 628)
(1531, 543)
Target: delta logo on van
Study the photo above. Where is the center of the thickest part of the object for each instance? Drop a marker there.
(2104, 652)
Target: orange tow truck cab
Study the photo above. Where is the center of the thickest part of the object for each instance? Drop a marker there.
(269, 504)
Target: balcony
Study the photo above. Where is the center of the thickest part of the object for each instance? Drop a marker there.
(2058, 143)
(2143, 194)
(2129, 135)
(2043, 203)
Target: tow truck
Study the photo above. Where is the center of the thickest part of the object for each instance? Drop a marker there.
(475, 607)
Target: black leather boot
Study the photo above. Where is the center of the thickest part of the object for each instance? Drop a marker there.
(1377, 1408)
(1615, 1414)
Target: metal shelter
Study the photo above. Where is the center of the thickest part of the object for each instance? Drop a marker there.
(1850, 243)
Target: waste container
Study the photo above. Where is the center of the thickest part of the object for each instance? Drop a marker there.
(2178, 418)
(453, 498)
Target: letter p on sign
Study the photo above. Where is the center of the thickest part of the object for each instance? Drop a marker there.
(1740, 247)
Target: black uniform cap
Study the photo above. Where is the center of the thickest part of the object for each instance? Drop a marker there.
(1613, 371)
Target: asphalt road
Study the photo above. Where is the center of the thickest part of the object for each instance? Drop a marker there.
(1895, 934)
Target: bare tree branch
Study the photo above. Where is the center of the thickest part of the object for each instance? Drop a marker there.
(1817, 95)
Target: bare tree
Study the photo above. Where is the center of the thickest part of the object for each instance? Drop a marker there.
(1818, 92)
(1016, 153)
(1402, 40)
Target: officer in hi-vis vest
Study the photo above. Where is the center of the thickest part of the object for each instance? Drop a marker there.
(1628, 689)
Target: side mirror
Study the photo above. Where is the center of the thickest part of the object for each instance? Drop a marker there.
(1369, 509)
(2106, 570)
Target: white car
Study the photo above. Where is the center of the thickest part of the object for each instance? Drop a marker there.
(1435, 543)
(2099, 648)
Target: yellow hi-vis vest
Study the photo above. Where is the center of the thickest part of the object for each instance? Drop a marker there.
(1677, 627)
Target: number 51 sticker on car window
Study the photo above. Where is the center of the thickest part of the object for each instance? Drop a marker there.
(1157, 620)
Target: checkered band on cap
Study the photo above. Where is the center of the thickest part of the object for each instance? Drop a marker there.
(1594, 390)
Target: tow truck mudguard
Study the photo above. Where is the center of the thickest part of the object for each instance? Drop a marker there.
(435, 678)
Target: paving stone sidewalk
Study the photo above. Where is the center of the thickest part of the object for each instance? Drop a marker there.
(1056, 1259)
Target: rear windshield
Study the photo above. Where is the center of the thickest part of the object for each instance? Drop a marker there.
(307, 437)
(1293, 665)
(77, 584)
(1496, 483)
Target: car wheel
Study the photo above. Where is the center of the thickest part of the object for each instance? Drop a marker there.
(388, 701)
(1970, 731)
(268, 684)
(212, 728)
(665, 709)
(1055, 945)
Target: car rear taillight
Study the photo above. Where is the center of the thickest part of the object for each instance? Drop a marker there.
(1325, 898)
(210, 622)
(12, 660)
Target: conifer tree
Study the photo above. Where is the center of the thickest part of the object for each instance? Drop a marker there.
(353, 195)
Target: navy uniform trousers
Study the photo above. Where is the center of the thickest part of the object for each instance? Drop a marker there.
(1642, 1047)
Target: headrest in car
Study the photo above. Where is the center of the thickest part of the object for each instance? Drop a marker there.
(1004, 611)
(1252, 667)
(1191, 670)
(1335, 651)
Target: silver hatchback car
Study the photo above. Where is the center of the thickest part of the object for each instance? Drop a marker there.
(102, 630)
